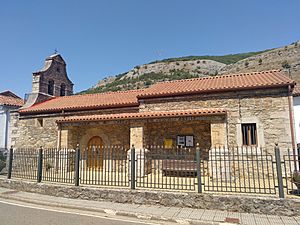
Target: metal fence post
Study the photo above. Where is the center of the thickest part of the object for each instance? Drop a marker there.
(40, 165)
(77, 164)
(132, 167)
(279, 171)
(10, 162)
(198, 160)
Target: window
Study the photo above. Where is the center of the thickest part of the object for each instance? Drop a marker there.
(51, 87)
(62, 90)
(40, 122)
(249, 134)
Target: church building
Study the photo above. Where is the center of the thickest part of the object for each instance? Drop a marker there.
(249, 109)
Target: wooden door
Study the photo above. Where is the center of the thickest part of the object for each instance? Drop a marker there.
(95, 153)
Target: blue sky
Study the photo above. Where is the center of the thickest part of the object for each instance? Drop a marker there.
(100, 38)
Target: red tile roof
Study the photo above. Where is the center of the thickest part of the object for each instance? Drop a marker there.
(146, 115)
(244, 81)
(11, 101)
(253, 80)
(85, 102)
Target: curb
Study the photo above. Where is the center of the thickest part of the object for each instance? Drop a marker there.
(114, 212)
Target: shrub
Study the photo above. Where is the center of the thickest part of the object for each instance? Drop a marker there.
(259, 61)
(296, 178)
(49, 166)
(2, 161)
(285, 65)
(246, 64)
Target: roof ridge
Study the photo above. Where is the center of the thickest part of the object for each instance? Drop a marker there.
(103, 93)
(220, 76)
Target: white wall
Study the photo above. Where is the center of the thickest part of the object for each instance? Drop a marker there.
(297, 117)
(3, 126)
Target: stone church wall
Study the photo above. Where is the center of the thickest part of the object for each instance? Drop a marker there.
(269, 109)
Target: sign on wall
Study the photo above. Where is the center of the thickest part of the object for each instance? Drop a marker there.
(189, 141)
(185, 141)
(168, 143)
(181, 141)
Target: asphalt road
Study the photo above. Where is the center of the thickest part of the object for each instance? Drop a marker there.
(15, 213)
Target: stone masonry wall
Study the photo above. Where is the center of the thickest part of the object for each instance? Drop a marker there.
(269, 109)
(31, 133)
(156, 132)
(110, 133)
(232, 203)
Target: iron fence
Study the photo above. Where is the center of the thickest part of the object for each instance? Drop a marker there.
(104, 165)
(291, 172)
(58, 165)
(24, 163)
(239, 170)
(161, 168)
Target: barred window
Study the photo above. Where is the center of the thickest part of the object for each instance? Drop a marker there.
(249, 134)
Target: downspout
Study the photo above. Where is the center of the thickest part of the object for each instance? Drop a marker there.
(6, 128)
(290, 100)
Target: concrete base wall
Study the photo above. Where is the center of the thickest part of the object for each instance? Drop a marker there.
(233, 203)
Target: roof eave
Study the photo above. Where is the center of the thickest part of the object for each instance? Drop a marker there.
(58, 110)
(175, 94)
(221, 112)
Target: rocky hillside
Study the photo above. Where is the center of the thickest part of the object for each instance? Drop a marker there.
(286, 58)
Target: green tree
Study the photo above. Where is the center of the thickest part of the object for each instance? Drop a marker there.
(285, 65)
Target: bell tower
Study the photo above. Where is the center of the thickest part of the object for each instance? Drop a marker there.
(51, 81)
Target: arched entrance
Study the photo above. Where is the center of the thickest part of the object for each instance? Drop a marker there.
(95, 153)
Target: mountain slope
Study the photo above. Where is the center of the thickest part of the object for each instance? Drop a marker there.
(286, 58)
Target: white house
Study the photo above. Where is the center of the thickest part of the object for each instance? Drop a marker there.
(296, 98)
(8, 101)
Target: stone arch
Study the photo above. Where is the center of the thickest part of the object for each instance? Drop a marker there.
(91, 132)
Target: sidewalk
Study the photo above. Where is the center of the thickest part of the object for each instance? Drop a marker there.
(158, 213)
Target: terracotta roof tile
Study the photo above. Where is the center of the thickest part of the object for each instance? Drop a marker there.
(11, 101)
(173, 88)
(273, 78)
(88, 101)
(146, 115)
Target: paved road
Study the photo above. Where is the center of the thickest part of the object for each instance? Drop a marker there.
(14, 213)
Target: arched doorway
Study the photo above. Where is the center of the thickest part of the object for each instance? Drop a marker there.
(95, 153)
